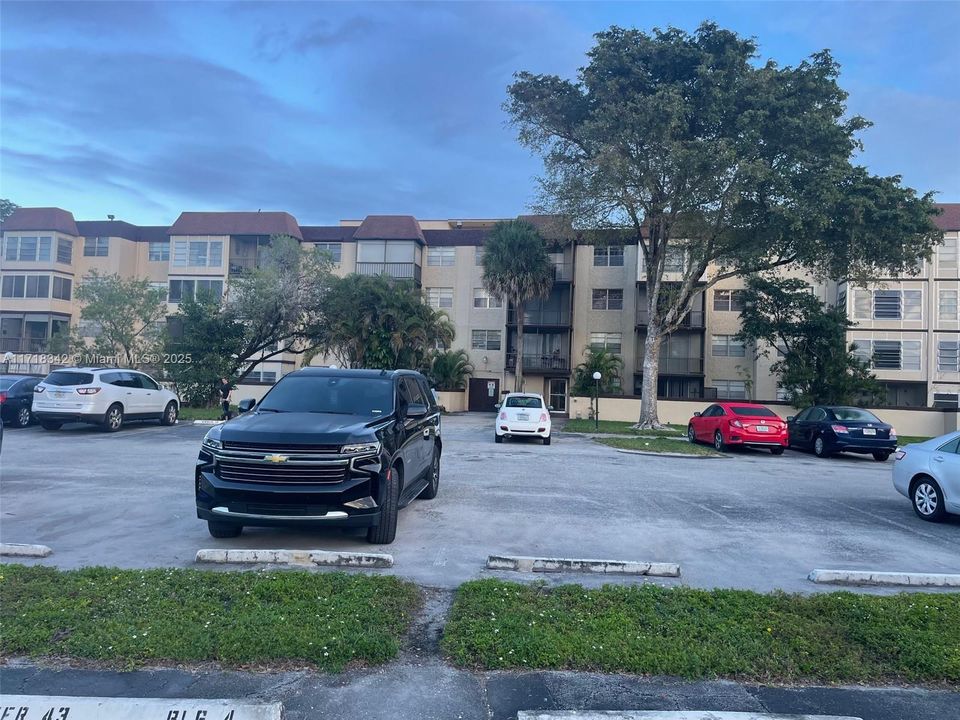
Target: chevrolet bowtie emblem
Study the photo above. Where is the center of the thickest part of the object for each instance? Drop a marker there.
(276, 458)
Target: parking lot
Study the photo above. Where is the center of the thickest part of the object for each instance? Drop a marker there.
(750, 521)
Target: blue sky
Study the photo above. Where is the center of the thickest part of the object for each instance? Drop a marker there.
(341, 110)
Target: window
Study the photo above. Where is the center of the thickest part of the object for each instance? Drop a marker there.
(89, 328)
(160, 287)
(485, 340)
(948, 356)
(890, 354)
(886, 354)
(484, 300)
(728, 346)
(675, 260)
(64, 251)
(159, 251)
(948, 252)
(197, 253)
(38, 286)
(29, 249)
(728, 300)
(184, 289)
(478, 257)
(609, 341)
(862, 350)
(611, 299)
(333, 250)
(611, 256)
(948, 305)
(731, 389)
(950, 401)
(441, 256)
(440, 297)
(13, 286)
(266, 376)
(886, 305)
(862, 304)
(62, 287)
(96, 247)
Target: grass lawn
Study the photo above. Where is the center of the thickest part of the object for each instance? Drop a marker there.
(658, 445)
(908, 439)
(580, 425)
(211, 413)
(833, 638)
(130, 617)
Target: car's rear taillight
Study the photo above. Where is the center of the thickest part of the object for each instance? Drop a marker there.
(503, 416)
(3, 397)
(88, 391)
(736, 424)
(543, 417)
(39, 389)
(841, 429)
(899, 454)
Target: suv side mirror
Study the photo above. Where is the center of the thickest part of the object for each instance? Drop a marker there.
(696, 414)
(550, 408)
(416, 410)
(791, 418)
(246, 405)
(497, 406)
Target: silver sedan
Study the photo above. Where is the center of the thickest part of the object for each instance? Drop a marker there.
(928, 473)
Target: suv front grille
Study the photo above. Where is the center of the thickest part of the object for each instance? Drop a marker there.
(256, 447)
(286, 473)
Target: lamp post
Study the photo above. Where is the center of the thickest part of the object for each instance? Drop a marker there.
(596, 398)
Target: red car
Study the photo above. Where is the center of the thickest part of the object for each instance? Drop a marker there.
(739, 423)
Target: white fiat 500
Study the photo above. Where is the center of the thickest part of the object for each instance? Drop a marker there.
(523, 415)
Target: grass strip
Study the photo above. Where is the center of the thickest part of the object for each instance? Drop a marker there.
(616, 427)
(130, 617)
(658, 445)
(200, 413)
(903, 440)
(823, 638)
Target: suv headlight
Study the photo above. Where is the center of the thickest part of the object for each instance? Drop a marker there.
(361, 449)
(211, 440)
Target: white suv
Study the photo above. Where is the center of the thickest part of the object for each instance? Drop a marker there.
(102, 396)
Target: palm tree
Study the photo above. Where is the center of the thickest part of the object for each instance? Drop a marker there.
(604, 361)
(450, 369)
(516, 268)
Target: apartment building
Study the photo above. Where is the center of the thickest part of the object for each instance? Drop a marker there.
(598, 299)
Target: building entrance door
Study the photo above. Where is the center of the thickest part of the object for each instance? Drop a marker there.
(558, 395)
(484, 394)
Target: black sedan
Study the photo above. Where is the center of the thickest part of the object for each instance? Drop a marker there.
(16, 398)
(828, 430)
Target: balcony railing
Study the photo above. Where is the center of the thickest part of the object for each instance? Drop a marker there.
(23, 345)
(540, 317)
(240, 265)
(693, 320)
(396, 270)
(562, 272)
(539, 363)
(678, 365)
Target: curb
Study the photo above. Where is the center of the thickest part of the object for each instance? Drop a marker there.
(24, 550)
(519, 563)
(672, 455)
(872, 577)
(108, 708)
(667, 715)
(319, 558)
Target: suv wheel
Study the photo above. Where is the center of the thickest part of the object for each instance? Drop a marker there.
(113, 420)
(169, 416)
(220, 529)
(50, 425)
(386, 531)
(23, 417)
(433, 484)
(927, 499)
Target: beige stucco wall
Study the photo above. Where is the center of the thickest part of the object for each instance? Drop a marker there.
(453, 401)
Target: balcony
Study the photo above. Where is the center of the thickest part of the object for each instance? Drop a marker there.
(558, 363)
(240, 265)
(544, 318)
(563, 272)
(23, 345)
(693, 320)
(396, 270)
(678, 365)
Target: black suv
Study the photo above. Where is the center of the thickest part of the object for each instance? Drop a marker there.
(325, 447)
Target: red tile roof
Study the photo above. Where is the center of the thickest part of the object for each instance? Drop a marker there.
(950, 218)
(389, 227)
(50, 218)
(236, 223)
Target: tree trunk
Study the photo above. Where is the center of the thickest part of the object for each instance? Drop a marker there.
(651, 372)
(518, 369)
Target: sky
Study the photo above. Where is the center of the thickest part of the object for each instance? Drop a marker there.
(340, 110)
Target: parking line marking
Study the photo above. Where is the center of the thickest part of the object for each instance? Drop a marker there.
(520, 563)
(106, 708)
(875, 577)
(307, 558)
(24, 550)
(667, 715)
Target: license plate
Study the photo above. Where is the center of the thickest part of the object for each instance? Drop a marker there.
(763, 428)
(869, 431)
(523, 418)
(58, 394)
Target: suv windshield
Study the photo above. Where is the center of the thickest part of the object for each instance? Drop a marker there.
(325, 394)
(67, 377)
(754, 412)
(854, 414)
(524, 402)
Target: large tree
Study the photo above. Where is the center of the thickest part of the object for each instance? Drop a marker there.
(686, 143)
(516, 268)
(379, 322)
(815, 364)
